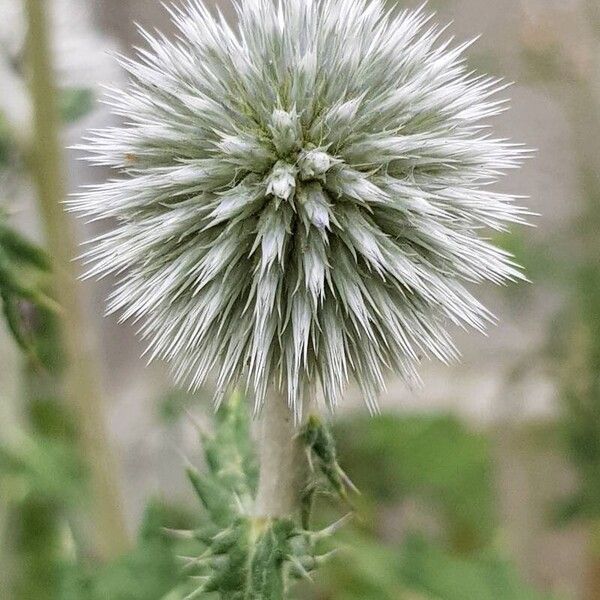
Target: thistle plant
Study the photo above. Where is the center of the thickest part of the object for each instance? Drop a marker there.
(301, 204)
(246, 556)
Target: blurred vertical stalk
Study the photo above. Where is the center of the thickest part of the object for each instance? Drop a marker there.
(80, 381)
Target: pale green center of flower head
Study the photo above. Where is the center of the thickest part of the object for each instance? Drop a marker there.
(301, 165)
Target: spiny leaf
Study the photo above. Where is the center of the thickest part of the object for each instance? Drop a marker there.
(217, 499)
(266, 576)
(320, 444)
(229, 452)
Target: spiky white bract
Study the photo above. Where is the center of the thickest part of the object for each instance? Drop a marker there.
(303, 196)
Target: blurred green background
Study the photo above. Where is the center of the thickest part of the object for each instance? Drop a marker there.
(485, 484)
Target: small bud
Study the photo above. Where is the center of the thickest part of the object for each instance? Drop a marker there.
(285, 128)
(313, 201)
(314, 164)
(282, 181)
(318, 440)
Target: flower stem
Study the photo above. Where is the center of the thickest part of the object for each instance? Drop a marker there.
(283, 461)
(80, 380)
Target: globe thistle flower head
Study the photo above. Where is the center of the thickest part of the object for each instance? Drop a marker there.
(303, 198)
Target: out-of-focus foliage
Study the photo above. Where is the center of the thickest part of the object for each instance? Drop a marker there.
(540, 261)
(149, 572)
(365, 569)
(418, 570)
(42, 482)
(24, 276)
(24, 267)
(575, 343)
(438, 574)
(173, 405)
(5, 142)
(438, 461)
(32, 467)
(434, 459)
(75, 103)
(581, 360)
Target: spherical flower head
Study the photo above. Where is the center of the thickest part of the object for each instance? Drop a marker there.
(303, 197)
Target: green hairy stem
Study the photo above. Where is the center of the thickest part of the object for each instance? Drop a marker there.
(283, 464)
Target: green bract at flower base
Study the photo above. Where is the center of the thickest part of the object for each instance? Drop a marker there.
(303, 197)
(248, 556)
